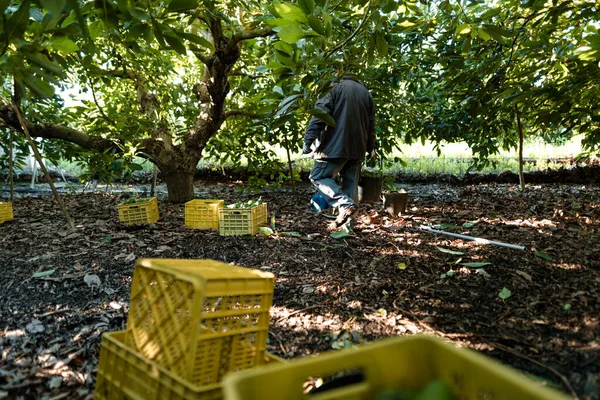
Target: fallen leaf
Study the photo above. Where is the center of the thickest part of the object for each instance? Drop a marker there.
(457, 253)
(92, 280)
(43, 273)
(524, 275)
(35, 326)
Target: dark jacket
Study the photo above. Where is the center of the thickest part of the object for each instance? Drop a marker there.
(351, 105)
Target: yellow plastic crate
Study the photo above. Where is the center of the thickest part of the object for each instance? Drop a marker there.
(203, 214)
(242, 221)
(124, 373)
(200, 318)
(6, 212)
(139, 213)
(398, 363)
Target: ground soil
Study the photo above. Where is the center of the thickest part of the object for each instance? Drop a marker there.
(62, 288)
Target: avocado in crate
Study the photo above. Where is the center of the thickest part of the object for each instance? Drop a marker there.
(124, 373)
(203, 213)
(242, 218)
(414, 367)
(6, 211)
(139, 211)
(200, 318)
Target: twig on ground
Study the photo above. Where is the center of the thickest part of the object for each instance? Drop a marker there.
(283, 349)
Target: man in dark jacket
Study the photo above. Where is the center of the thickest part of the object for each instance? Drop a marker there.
(341, 149)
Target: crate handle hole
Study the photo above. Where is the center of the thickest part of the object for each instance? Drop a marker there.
(332, 382)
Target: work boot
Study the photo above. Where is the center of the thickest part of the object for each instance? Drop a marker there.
(346, 214)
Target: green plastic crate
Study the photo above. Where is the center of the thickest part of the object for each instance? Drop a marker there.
(396, 364)
(143, 211)
(124, 373)
(6, 212)
(200, 319)
(203, 214)
(242, 221)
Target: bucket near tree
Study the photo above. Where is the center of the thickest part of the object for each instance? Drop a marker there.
(369, 189)
(395, 202)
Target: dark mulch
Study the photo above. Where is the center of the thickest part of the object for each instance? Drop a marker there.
(330, 293)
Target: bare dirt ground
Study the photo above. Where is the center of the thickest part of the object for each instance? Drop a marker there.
(62, 288)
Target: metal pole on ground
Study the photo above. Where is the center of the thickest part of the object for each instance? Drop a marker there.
(475, 239)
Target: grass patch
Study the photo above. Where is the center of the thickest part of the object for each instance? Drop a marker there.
(418, 159)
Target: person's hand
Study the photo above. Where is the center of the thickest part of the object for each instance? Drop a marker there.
(306, 148)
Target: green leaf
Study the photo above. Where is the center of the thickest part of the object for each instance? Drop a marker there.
(322, 115)
(291, 234)
(64, 44)
(469, 224)
(340, 234)
(43, 273)
(139, 14)
(96, 28)
(265, 230)
(39, 88)
(175, 43)
(42, 61)
(449, 227)
(197, 39)
(182, 5)
(381, 44)
(316, 24)
(308, 6)
(54, 6)
(505, 293)
(291, 12)
(457, 253)
(107, 239)
(483, 34)
(17, 23)
(273, 222)
(543, 255)
(291, 34)
(476, 264)
(401, 266)
(463, 29)
(135, 167)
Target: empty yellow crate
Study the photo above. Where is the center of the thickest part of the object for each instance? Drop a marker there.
(393, 364)
(242, 221)
(203, 214)
(144, 212)
(6, 212)
(124, 373)
(200, 318)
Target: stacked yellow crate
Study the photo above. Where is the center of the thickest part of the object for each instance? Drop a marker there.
(202, 213)
(139, 211)
(6, 211)
(190, 322)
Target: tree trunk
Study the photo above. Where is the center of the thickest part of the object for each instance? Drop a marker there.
(180, 185)
(521, 174)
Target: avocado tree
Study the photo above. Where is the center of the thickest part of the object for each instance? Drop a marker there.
(173, 81)
(162, 78)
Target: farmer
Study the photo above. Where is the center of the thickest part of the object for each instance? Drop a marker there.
(340, 149)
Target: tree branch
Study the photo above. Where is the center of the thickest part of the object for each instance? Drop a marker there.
(236, 113)
(206, 60)
(349, 38)
(55, 131)
(246, 35)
